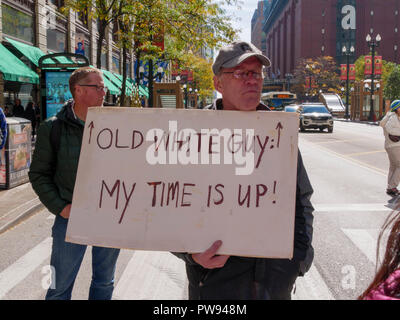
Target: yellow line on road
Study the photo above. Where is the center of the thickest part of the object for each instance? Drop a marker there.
(346, 157)
(339, 141)
(363, 153)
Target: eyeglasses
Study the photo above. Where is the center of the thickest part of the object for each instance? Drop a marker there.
(98, 88)
(244, 75)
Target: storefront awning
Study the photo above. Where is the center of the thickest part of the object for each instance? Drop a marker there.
(111, 87)
(111, 81)
(14, 69)
(144, 91)
(128, 90)
(115, 80)
(34, 53)
(31, 52)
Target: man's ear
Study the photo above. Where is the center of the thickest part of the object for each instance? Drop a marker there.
(217, 83)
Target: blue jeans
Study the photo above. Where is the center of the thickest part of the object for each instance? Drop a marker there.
(66, 259)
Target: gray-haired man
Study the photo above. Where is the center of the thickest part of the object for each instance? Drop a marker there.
(238, 76)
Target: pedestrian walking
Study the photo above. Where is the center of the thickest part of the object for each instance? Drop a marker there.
(29, 114)
(53, 174)
(238, 76)
(391, 129)
(386, 283)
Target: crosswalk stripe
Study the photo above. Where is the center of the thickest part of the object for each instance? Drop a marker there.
(363, 241)
(20, 269)
(312, 287)
(152, 275)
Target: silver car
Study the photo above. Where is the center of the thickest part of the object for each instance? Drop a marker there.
(315, 116)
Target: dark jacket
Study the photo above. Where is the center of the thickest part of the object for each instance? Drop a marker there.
(30, 114)
(52, 174)
(18, 111)
(239, 271)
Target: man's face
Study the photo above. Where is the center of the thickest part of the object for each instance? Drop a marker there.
(240, 94)
(88, 94)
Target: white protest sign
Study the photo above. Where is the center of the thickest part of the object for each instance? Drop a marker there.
(178, 180)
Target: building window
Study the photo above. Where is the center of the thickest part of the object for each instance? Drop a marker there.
(17, 24)
(395, 30)
(56, 40)
(323, 30)
(56, 4)
(115, 64)
(372, 12)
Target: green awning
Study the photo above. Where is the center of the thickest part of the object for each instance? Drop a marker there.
(128, 90)
(31, 52)
(112, 80)
(111, 87)
(143, 91)
(14, 69)
(34, 53)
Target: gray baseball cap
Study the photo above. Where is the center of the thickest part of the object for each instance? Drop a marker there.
(234, 54)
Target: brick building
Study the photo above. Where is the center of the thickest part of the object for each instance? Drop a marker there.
(296, 29)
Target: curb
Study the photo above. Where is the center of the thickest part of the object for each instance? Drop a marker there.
(16, 217)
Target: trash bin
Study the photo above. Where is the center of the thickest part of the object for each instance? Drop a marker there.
(15, 157)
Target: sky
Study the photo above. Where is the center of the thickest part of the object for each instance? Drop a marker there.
(244, 14)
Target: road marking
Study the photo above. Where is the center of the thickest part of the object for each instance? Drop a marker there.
(338, 141)
(364, 153)
(361, 164)
(152, 275)
(351, 207)
(20, 269)
(312, 287)
(363, 241)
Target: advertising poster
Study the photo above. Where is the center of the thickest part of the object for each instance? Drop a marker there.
(19, 152)
(2, 168)
(57, 91)
(80, 44)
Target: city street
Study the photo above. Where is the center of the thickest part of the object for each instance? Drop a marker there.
(347, 169)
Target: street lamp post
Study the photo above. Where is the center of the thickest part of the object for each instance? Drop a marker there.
(372, 44)
(150, 79)
(345, 52)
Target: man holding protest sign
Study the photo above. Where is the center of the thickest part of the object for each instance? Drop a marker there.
(238, 76)
(53, 174)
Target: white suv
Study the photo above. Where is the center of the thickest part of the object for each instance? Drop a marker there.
(315, 116)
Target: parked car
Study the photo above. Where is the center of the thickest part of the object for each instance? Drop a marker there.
(315, 116)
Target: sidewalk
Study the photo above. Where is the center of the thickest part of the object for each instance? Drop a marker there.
(16, 204)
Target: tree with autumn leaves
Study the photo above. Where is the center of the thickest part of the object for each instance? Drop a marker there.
(185, 26)
(316, 75)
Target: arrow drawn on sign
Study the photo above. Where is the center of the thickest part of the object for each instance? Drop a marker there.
(279, 127)
(91, 126)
